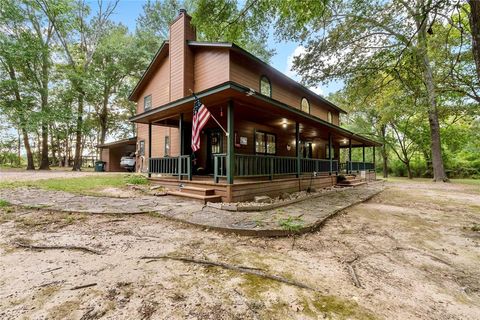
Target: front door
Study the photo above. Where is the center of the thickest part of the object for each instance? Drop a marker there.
(214, 145)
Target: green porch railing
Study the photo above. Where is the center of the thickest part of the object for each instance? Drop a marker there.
(180, 166)
(359, 166)
(318, 165)
(269, 166)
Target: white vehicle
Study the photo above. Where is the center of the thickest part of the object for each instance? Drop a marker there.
(128, 162)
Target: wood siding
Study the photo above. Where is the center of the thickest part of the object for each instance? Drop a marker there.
(247, 72)
(158, 142)
(211, 67)
(158, 87)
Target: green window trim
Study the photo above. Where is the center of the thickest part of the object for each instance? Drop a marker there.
(147, 102)
(265, 84)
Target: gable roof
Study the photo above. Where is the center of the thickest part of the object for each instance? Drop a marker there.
(163, 51)
(247, 54)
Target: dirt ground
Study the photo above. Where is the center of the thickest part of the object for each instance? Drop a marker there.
(414, 251)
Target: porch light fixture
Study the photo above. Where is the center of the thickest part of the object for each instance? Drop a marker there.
(344, 141)
(284, 123)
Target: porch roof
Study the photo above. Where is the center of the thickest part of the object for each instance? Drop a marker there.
(222, 93)
(118, 143)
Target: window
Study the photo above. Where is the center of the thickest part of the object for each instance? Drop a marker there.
(305, 105)
(141, 148)
(265, 143)
(265, 86)
(147, 102)
(329, 117)
(167, 145)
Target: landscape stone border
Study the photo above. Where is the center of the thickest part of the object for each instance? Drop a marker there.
(314, 213)
(275, 205)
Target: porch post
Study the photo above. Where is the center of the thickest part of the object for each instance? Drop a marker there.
(180, 129)
(349, 167)
(149, 148)
(230, 143)
(373, 157)
(330, 152)
(363, 156)
(297, 148)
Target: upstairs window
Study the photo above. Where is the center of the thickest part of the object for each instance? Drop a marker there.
(147, 102)
(329, 117)
(265, 86)
(305, 105)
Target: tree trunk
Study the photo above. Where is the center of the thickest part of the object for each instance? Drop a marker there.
(384, 151)
(435, 141)
(28, 150)
(53, 147)
(475, 30)
(26, 141)
(409, 170)
(77, 165)
(44, 163)
(104, 116)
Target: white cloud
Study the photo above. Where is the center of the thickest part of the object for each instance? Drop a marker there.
(299, 51)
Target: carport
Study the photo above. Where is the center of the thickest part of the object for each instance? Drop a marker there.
(112, 152)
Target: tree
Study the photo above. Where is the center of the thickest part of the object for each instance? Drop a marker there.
(28, 32)
(474, 19)
(79, 37)
(215, 20)
(360, 37)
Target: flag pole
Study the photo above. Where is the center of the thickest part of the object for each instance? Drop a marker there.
(226, 133)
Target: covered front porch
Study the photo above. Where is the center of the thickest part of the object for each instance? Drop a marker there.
(269, 147)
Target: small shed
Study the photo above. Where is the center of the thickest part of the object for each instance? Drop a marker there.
(112, 152)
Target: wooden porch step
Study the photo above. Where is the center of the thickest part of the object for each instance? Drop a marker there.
(205, 199)
(196, 190)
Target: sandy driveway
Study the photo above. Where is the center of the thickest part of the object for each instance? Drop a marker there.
(412, 249)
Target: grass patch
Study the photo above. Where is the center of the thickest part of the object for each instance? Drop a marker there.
(4, 203)
(338, 308)
(292, 224)
(91, 185)
(136, 179)
(476, 227)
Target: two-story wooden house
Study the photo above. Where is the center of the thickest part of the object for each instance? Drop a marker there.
(281, 137)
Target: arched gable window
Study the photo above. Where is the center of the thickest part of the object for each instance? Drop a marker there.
(305, 105)
(329, 117)
(265, 86)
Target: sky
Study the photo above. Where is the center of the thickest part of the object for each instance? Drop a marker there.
(127, 12)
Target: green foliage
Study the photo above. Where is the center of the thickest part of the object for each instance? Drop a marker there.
(291, 224)
(4, 203)
(136, 179)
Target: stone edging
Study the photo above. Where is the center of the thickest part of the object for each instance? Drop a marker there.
(269, 233)
(235, 207)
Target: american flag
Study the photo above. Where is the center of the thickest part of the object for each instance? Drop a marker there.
(200, 118)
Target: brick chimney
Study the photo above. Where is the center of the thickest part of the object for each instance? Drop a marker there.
(181, 56)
